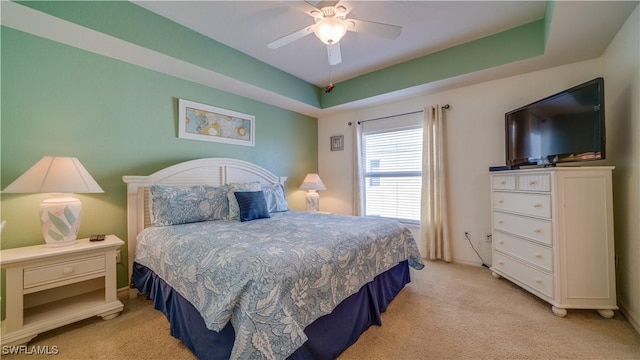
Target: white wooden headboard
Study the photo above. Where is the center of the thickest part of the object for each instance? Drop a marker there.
(208, 171)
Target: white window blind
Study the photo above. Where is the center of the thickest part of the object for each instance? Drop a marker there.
(392, 161)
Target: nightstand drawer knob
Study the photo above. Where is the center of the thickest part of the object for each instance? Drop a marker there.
(538, 255)
(537, 230)
(537, 205)
(67, 271)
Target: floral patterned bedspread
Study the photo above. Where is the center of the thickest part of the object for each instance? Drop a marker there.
(273, 277)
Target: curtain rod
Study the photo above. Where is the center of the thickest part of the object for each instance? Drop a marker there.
(446, 106)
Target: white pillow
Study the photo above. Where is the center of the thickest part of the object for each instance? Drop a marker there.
(276, 200)
(232, 188)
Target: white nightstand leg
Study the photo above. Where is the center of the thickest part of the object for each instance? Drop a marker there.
(15, 305)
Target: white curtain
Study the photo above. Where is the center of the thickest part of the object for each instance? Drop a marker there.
(434, 227)
(357, 169)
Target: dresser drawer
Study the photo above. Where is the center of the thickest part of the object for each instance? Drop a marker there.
(531, 228)
(503, 182)
(528, 251)
(60, 271)
(523, 203)
(534, 182)
(530, 276)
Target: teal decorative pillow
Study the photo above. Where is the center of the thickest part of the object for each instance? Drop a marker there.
(275, 198)
(180, 205)
(232, 188)
(252, 205)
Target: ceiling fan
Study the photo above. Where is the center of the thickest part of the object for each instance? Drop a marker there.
(331, 24)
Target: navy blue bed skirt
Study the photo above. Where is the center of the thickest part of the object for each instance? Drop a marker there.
(328, 336)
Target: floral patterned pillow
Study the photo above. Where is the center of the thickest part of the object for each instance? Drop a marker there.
(217, 198)
(276, 200)
(180, 205)
(232, 188)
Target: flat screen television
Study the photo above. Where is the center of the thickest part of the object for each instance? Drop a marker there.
(564, 127)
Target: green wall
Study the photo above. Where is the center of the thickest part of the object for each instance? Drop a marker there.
(136, 25)
(117, 119)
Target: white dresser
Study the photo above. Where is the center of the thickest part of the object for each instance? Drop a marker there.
(553, 235)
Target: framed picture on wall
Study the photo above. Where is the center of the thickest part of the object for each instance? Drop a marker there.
(208, 123)
(337, 143)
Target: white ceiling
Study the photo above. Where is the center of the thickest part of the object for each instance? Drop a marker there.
(427, 26)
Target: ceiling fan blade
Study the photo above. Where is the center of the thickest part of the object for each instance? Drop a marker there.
(333, 51)
(378, 29)
(291, 37)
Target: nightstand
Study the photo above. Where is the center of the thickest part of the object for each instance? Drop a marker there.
(49, 287)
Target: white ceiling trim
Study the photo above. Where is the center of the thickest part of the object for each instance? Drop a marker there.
(43, 25)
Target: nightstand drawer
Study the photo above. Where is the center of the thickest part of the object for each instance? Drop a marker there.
(59, 271)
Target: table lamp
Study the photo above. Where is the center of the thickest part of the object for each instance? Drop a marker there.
(312, 183)
(59, 215)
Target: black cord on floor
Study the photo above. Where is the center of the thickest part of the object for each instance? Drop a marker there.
(466, 235)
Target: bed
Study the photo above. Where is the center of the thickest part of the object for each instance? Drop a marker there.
(256, 279)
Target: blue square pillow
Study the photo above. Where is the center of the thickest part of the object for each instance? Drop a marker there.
(252, 205)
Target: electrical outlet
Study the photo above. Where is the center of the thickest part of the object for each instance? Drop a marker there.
(118, 258)
(487, 237)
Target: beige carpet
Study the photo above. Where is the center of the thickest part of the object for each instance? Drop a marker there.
(449, 311)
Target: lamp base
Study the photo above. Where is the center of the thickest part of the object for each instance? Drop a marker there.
(60, 220)
(313, 201)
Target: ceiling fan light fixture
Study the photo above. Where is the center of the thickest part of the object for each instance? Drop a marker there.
(330, 30)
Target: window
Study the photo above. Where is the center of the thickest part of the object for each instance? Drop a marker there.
(393, 173)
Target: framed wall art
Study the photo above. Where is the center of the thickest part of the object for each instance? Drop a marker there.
(208, 123)
(337, 143)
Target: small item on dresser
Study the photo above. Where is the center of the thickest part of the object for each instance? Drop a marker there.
(97, 237)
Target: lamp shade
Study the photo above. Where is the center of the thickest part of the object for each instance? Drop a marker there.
(54, 174)
(312, 182)
(60, 215)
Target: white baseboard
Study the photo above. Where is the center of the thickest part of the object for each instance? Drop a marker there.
(634, 322)
(123, 293)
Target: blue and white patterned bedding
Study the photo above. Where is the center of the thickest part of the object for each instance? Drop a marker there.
(273, 277)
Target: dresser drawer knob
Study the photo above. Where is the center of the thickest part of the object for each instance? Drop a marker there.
(537, 205)
(500, 222)
(537, 255)
(500, 201)
(501, 242)
(537, 230)
(538, 280)
(500, 263)
(503, 182)
(532, 182)
(67, 271)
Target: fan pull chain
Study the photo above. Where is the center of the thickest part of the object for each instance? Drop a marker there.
(330, 86)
